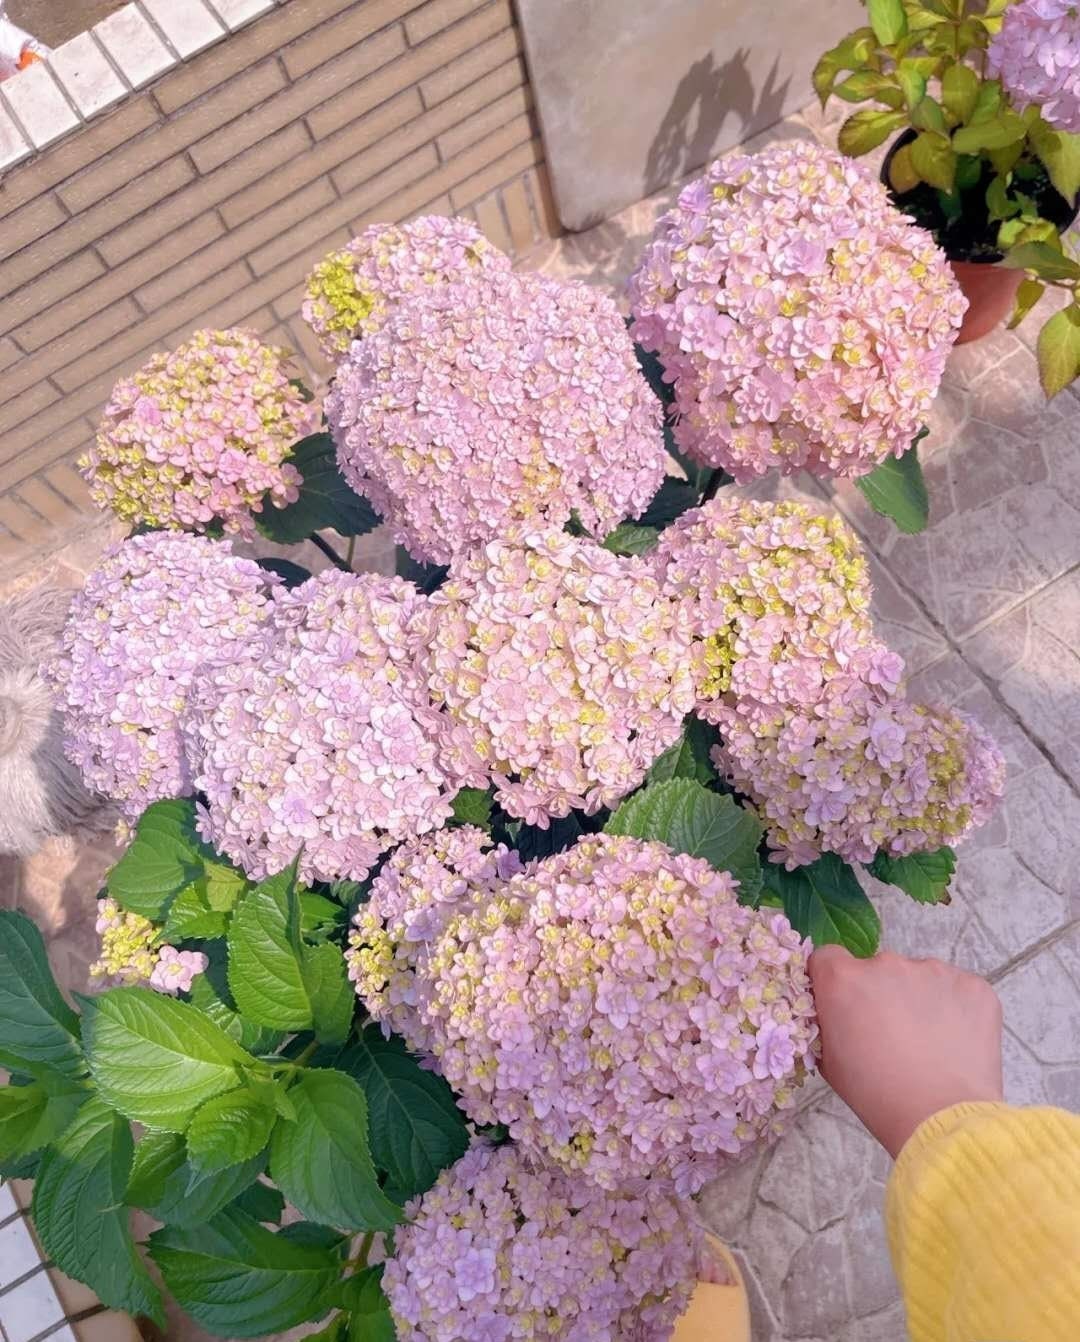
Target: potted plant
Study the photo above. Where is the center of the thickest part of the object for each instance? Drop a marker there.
(987, 157)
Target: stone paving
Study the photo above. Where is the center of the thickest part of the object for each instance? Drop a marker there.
(985, 605)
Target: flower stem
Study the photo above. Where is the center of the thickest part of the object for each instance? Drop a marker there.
(330, 552)
(350, 551)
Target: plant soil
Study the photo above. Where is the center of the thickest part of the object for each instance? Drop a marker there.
(971, 235)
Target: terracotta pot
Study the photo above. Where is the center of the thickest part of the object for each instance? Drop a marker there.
(990, 290)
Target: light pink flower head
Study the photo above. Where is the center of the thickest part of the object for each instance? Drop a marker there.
(157, 608)
(322, 738)
(502, 1248)
(176, 971)
(561, 670)
(619, 1010)
(804, 321)
(1036, 55)
(201, 437)
(775, 598)
(492, 400)
(350, 292)
(420, 888)
(860, 770)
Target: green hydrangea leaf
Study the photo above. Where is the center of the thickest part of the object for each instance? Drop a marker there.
(923, 876)
(157, 1059)
(332, 996)
(824, 901)
(33, 1116)
(689, 756)
(238, 1279)
(322, 1161)
(888, 20)
(37, 1027)
(164, 1183)
(266, 969)
(472, 806)
(690, 818)
(416, 1128)
(164, 856)
(629, 539)
(897, 489)
(369, 1310)
(672, 499)
(229, 1129)
(325, 499)
(261, 1203)
(79, 1214)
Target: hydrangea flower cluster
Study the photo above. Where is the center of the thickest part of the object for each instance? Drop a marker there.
(158, 607)
(423, 884)
(562, 671)
(320, 734)
(1036, 55)
(131, 953)
(494, 400)
(201, 436)
(860, 770)
(815, 726)
(350, 292)
(619, 1010)
(500, 1248)
(804, 321)
(776, 600)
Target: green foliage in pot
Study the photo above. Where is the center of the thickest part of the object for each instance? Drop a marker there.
(991, 183)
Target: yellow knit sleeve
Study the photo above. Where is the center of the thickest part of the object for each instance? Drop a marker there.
(983, 1212)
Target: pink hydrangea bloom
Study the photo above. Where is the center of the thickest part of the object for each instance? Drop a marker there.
(350, 292)
(804, 321)
(561, 669)
(423, 884)
(322, 736)
(503, 1249)
(619, 1010)
(156, 608)
(201, 436)
(1036, 55)
(497, 399)
(775, 598)
(175, 970)
(858, 770)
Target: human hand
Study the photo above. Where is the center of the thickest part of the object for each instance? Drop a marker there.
(902, 1039)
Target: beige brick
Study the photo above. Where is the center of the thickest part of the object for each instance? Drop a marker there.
(519, 215)
(149, 189)
(88, 336)
(287, 280)
(489, 219)
(118, 282)
(66, 480)
(241, 242)
(204, 195)
(30, 223)
(440, 206)
(55, 509)
(48, 294)
(473, 60)
(124, 166)
(85, 147)
(500, 113)
(453, 113)
(517, 160)
(539, 185)
(402, 171)
(9, 353)
(56, 433)
(410, 69)
(27, 404)
(300, 98)
(265, 37)
(330, 39)
(233, 312)
(321, 158)
(145, 334)
(440, 14)
(23, 524)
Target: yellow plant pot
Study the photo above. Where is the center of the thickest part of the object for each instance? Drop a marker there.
(717, 1313)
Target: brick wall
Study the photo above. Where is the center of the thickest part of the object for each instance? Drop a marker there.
(204, 198)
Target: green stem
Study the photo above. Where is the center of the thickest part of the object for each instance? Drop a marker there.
(350, 551)
(290, 1066)
(365, 1249)
(330, 552)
